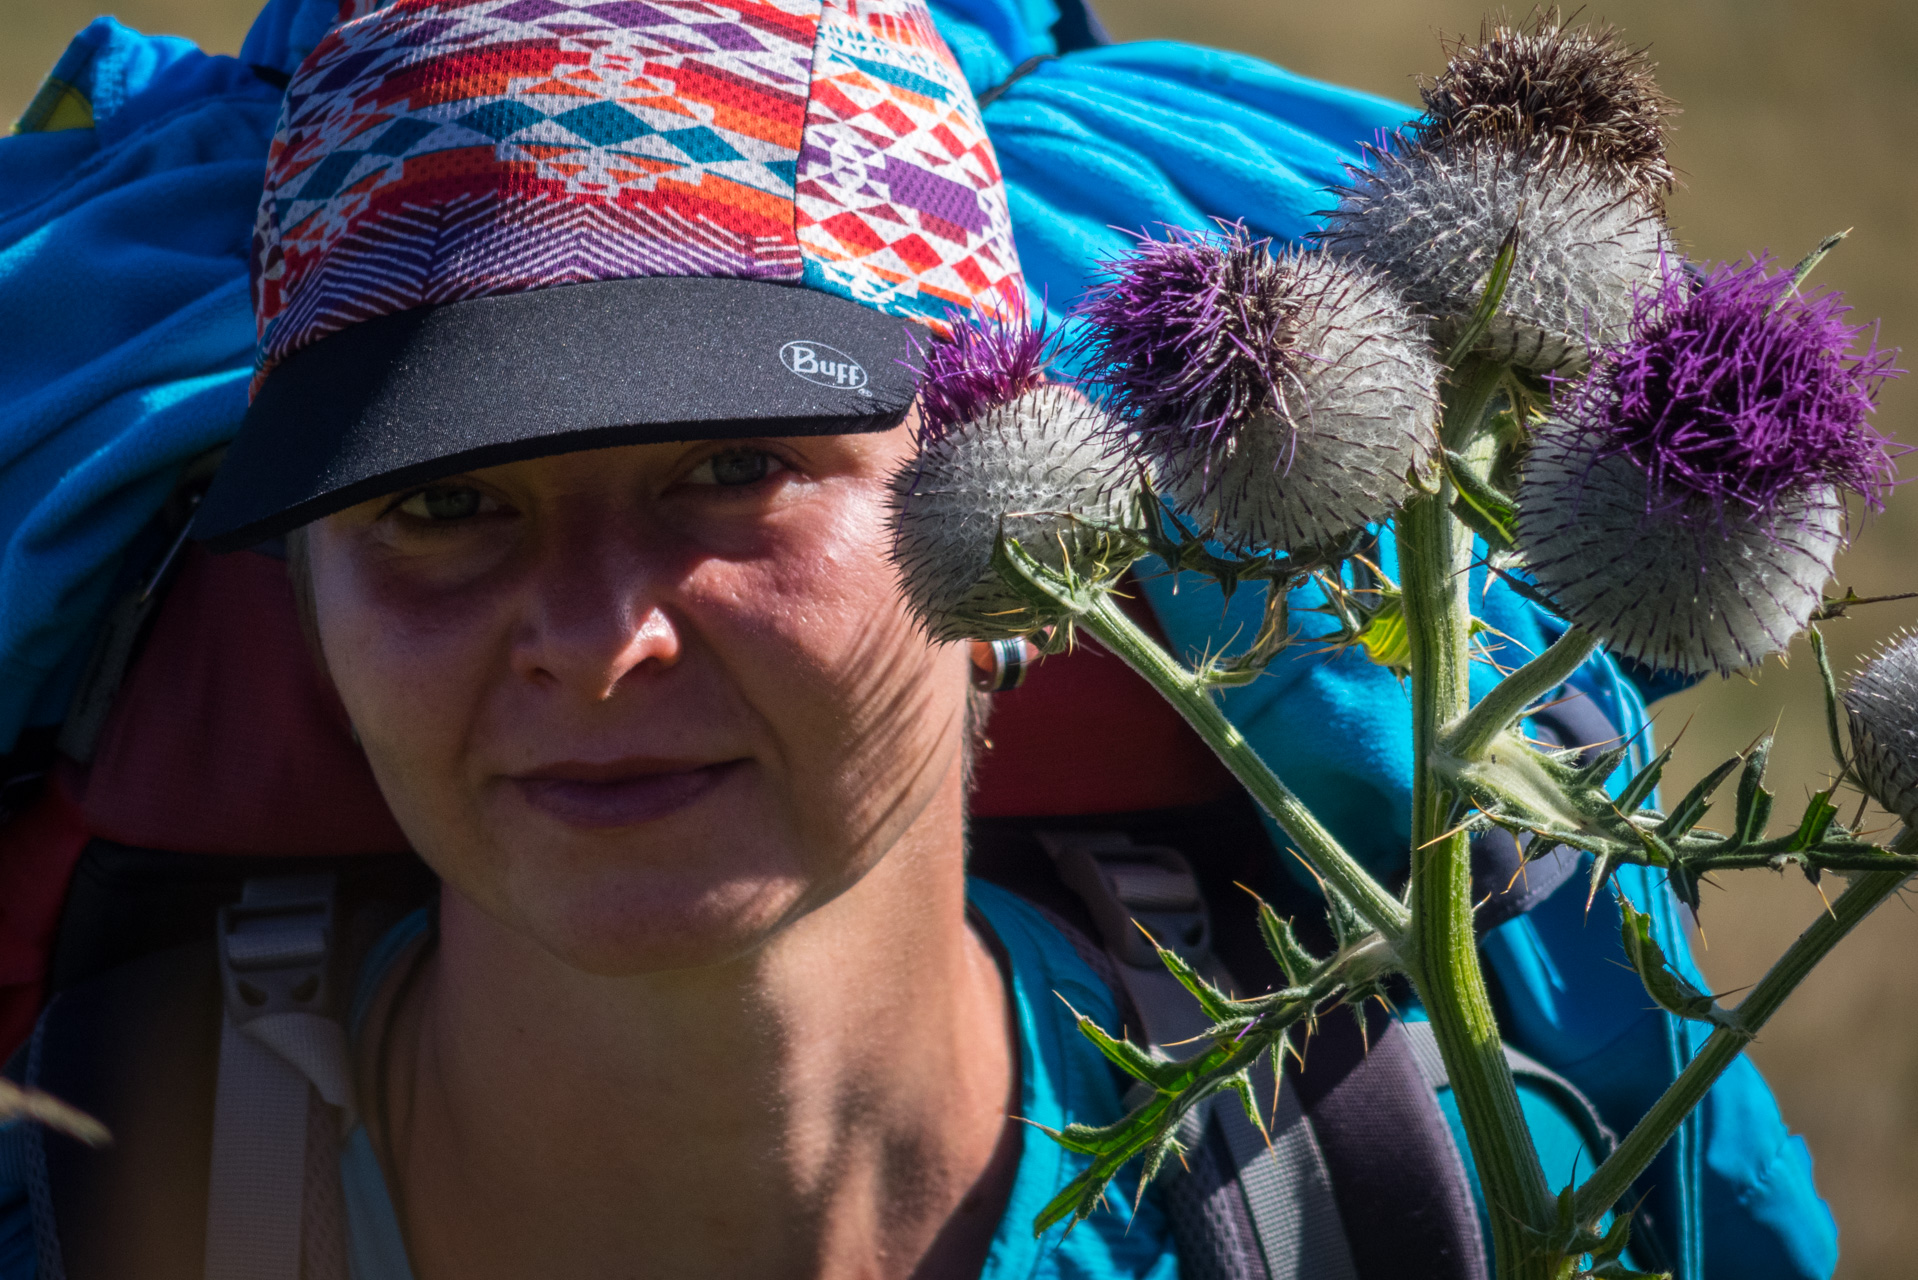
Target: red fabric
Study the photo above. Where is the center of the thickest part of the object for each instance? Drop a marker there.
(225, 737)
(1087, 734)
(37, 851)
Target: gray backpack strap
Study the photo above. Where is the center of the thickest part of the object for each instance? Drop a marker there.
(1592, 1127)
(1242, 1208)
(284, 1097)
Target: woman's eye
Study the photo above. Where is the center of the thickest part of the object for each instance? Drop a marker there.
(442, 503)
(735, 467)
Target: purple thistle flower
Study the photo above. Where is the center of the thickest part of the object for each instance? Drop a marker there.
(1280, 401)
(1736, 390)
(981, 363)
(1882, 700)
(1687, 501)
(1191, 332)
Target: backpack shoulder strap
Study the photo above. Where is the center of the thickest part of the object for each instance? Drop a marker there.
(1243, 1206)
(136, 1048)
(284, 1100)
(221, 1069)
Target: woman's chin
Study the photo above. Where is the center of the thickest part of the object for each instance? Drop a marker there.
(621, 921)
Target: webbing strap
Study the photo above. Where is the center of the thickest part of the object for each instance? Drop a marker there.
(256, 1186)
(283, 1054)
(1285, 1184)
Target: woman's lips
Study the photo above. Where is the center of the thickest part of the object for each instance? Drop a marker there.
(623, 799)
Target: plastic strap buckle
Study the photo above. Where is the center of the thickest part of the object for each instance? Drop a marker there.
(275, 947)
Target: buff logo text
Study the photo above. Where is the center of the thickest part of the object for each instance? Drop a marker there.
(823, 365)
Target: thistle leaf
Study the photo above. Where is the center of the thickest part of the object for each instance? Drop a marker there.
(1384, 635)
(1820, 813)
(1496, 281)
(1831, 700)
(1217, 1005)
(1640, 789)
(1130, 1058)
(1754, 802)
(1490, 514)
(1294, 959)
(1600, 770)
(1697, 801)
(1667, 989)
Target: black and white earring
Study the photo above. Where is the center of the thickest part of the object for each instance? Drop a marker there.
(999, 665)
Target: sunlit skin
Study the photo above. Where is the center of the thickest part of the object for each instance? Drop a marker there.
(704, 1001)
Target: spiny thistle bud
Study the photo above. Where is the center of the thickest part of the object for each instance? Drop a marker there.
(1578, 96)
(1687, 501)
(1037, 467)
(1435, 221)
(1280, 401)
(1883, 702)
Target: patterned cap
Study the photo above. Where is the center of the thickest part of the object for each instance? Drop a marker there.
(742, 201)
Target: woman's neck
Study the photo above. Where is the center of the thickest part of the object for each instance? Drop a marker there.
(834, 1104)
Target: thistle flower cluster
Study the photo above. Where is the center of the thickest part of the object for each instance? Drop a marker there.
(1882, 700)
(1687, 501)
(1434, 221)
(1002, 451)
(1574, 97)
(1279, 401)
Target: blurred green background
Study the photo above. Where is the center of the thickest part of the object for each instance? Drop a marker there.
(1799, 120)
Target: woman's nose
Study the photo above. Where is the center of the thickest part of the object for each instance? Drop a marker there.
(595, 618)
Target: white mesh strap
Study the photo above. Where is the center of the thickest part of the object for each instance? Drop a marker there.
(256, 1186)
(282, 1054)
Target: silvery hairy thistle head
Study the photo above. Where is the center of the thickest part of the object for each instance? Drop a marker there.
(1576, 96)
(1002, 449)
(1434, 221)
(1279, 401)
(1687, 499)
(1882, 700)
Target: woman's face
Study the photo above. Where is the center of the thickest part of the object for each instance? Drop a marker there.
(644, 704)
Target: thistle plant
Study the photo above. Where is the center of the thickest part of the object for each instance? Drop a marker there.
(1677, 490)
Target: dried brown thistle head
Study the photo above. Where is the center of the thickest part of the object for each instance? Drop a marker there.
(1573, 94)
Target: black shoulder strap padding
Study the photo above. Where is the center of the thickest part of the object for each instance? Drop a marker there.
(1387, 1147)
(1390, 1153)
(138, 1049)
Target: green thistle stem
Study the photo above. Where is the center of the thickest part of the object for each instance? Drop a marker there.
(1613, 1179)
(1192, 697)
(1496, 711)
(1434, 557)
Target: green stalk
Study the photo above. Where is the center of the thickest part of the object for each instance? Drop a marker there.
(1434, 556)
(1497, 710)
(1192, 696)
(1612, 1180)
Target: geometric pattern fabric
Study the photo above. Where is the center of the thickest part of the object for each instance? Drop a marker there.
(435, 150)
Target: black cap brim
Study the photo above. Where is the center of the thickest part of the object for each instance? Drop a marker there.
(408, 398)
